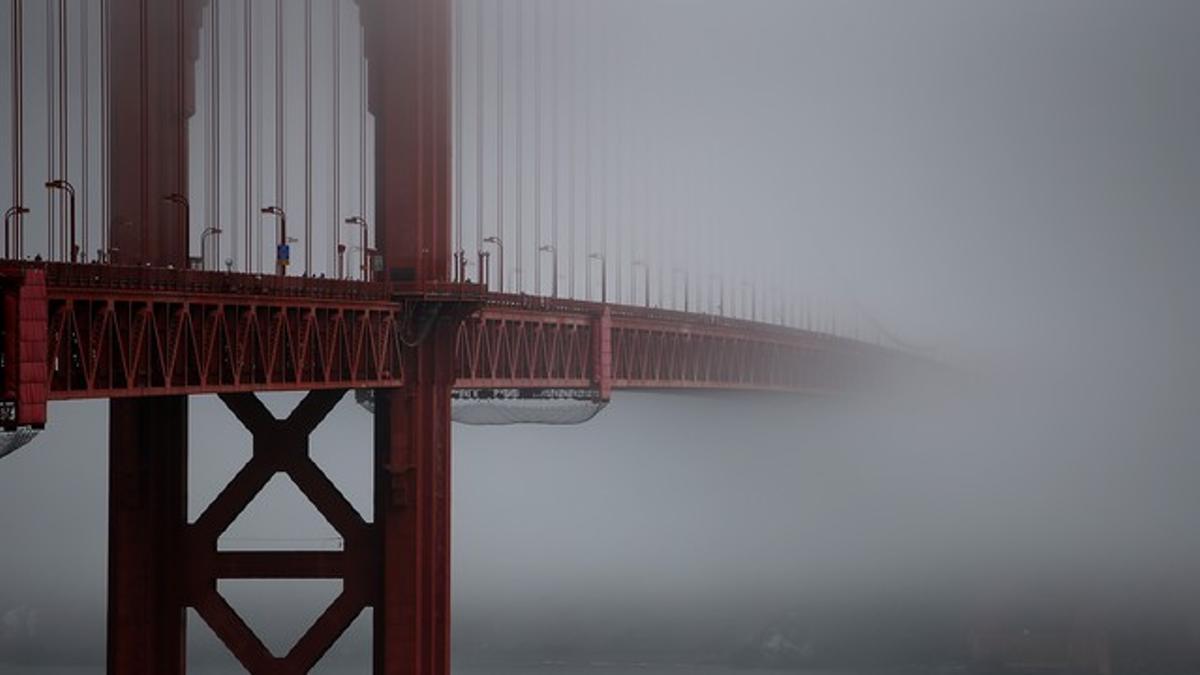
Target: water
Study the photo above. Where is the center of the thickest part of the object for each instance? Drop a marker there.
(548, 669)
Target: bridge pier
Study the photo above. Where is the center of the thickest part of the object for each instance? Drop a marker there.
(150, 102)
(146, 517)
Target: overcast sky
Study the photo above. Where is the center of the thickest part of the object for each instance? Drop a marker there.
(1012, 186)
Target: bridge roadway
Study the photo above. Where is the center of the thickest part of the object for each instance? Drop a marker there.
(86, 331)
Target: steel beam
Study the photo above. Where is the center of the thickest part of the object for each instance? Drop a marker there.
(408, 49)
(147, 513)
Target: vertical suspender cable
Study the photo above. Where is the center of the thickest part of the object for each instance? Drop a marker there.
(572, 144)
(235, 179)
(308, 168)
(554, 76)
(248, 77)
(479, 129)
(279, 184)
(500, 136)
(362, 136)
(214, 83)
(84, 159)
(181, 143)
(105, 216)
(208, 143)
(51, 172)
(537, 147)
(337, 126)
(18, 154)
(457, 8)
(255, 213)
(64, 129)
(587, 146)
(618, 180)
(520, 203)
(144, 116)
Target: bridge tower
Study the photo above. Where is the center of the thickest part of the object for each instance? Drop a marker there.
(159, 564)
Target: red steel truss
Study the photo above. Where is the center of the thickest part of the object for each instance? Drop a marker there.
(113, 332)
(147, 334)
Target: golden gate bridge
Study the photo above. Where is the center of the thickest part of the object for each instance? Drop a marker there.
(472, 224)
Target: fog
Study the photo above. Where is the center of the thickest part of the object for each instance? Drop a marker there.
(1010, 188)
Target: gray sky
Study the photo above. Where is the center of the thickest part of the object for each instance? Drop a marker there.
(1011, 184)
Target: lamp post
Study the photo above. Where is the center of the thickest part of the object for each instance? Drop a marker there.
(646, 268)
(12, 212)
(499, 258)
(553, 251)
(603, 276)
(362, 241)
(460, 265)
(208, 232)
(282, 251)
(686, 287)
(61, 184)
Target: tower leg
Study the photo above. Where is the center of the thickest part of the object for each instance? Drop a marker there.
(147, 513)
(412, 516)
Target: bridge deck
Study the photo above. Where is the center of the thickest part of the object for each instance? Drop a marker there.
(77, 331)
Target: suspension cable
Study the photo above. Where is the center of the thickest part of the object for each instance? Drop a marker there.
(520, 177)
(537, 148)
(479, 130)
(85, 167)
(500, 136)
(181, 143)
(554, 113)
(588, 79)
(308, 163)
(105, 167)
(64, 132)
(214, 73)
(337, 130)
(572, 144)
(279, 167)
(18, 157)
(51, 154)
(255, 213)
(456, 8)
(362, 137)
(248, 77)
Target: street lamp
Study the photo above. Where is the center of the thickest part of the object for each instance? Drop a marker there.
(553, 250)
(70, 189)
(686, 287)
(13, 211)
(603, 276)
(646, 268)
(208, 232)
(499, 257)
(362, 241)
(283, 253)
